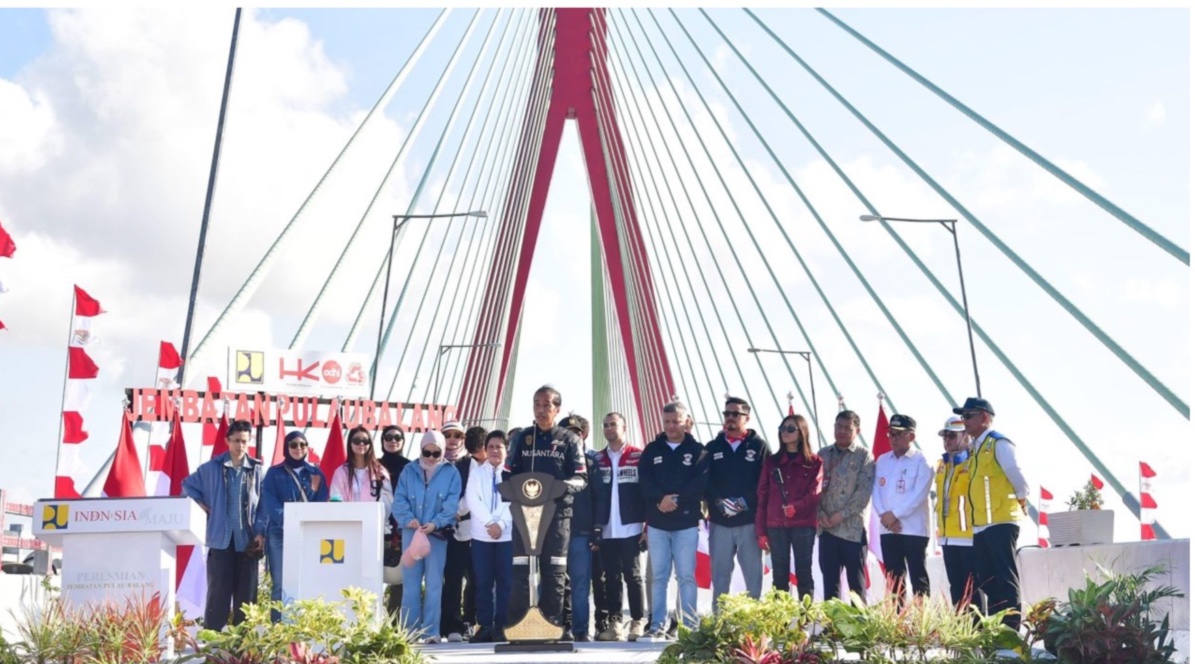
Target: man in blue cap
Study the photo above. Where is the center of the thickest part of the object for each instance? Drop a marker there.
(998, 493)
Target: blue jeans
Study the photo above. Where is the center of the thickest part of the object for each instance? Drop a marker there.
(580, 569)
(274, 565)
(421, 611)
(665, 548)
(493, 571)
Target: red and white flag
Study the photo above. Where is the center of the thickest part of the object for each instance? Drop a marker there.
(124, 477)
(1043, 519)
(880, 445)
(160, 432)
(1148, 504)
(1097, 482)
(81, 370)
(279, 444)
(334, 456)
(7, 246)
(191, 570)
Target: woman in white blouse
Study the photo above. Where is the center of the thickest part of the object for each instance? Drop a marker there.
(492, 551)
(362, 478)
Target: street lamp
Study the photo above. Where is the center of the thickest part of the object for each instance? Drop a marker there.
(950, 225)
(436, 365)
(812, 389)
(398, 221)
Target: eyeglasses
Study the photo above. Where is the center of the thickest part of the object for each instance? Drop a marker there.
(788, 429)
(731, 413)
(361, 441)
(431, 454)
(391, 437)
(296, 444)
(970, 414)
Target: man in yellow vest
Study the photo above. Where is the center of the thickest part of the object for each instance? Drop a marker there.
(954, 510)
(998, 491)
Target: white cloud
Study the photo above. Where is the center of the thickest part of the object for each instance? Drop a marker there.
(1163, 292)
(1155, 115)
(27, 135)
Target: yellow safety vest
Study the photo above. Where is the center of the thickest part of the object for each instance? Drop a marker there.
(954, 507)
(993, 499)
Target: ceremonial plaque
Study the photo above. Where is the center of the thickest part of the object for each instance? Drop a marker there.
(532, 498)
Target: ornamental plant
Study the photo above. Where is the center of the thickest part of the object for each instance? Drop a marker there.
(1087, 498)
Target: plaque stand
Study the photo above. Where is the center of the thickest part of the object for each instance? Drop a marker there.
(532, 498)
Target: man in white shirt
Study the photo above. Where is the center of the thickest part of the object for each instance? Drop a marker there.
(900, 496)
(619, 513)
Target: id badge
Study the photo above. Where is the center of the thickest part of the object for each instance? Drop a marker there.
(900, 486)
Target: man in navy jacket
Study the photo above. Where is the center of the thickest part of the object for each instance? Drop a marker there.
(736, 458)
(672, 475)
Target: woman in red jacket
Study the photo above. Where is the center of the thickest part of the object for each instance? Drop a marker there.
(786, 518)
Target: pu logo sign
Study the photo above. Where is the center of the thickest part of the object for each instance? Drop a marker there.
(56, 517)
(331, 552)
(251, 367)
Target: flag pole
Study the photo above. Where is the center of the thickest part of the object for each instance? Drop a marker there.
(207, 203)
(66, 372)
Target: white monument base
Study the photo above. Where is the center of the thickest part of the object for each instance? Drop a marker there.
(331, 546)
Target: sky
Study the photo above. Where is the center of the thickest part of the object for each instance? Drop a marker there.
(109, 118)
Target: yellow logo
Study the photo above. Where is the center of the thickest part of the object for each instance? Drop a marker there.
(251, 367)
(331, 552)
(56, 517)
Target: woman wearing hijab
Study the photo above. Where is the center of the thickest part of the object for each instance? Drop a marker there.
(426, 499)
(292, 481)
(790, 486)
(393, 461)
(362, 478)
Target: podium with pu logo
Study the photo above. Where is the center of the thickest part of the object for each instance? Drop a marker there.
(116, 550)
(330, 546)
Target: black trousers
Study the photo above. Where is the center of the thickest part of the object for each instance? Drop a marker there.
(620, 560)
(835, 554)
(960, 574)
(394, 602)
(798, 542)
(994, 556)
(597, 586)
(553, 573)
(458, 580)
(231, 583)
(905, 555)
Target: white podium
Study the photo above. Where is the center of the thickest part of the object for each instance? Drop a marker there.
(118, 549)
(330, 546)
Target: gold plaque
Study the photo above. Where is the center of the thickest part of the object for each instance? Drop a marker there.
(533, 515)
(532, 489)
(534, 627)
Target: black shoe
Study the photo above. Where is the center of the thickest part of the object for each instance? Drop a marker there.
(581, 638)
(500, 636)
(483, 635)
(567, 636)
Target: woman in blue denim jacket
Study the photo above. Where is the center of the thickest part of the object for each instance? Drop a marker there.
(292, 481)
(426, 499)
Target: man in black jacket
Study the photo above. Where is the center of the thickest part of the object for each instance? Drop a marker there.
(546, 448)
(736, 458)
(673, 472)
(619, 513)
(583, 564)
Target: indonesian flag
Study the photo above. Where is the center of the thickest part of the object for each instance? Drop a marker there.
(81, 370)
(1043, 518)
(334, 456)
(191, 570)
(124, 477)
(7, 246)
(880, 445)
(1148, 504)
(279, 444)
(209, 428)
(159, 432)
(220, 439)
(1097, 482)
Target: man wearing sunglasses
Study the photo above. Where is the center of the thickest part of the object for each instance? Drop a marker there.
(954, 510)
(736, 459)
(998, 493)
(458, 568)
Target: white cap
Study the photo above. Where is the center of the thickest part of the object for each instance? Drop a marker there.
(953, 423)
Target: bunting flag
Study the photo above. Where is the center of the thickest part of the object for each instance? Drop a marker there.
(168, 364)
(7, 246)
(209, 429)
(1097, 482)
(334, 456)
(279, 444)
(1043, 519)
(220, 437)
(76, 393)
(124, 477)
(1148, 504)
(191, 570)
(880, 445)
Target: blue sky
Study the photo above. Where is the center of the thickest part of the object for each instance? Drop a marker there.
(123, 129)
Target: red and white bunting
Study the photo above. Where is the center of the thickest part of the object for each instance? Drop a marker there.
(1097, 482)
(1148, 504)
(124, 477)
(159, 432)
(191, 575)
(80, 371)
(1043, 518)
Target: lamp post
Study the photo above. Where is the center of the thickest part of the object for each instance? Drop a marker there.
(812, 388)
(398, 221)
(436, 365)
(950, 225)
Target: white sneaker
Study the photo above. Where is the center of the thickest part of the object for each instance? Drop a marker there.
(455, 637)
